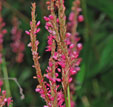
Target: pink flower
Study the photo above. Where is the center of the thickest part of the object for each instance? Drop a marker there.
(72, 14)
(38, 30)
(73, 71)
(38, 23)
(27, 32)
(17, 45)
(9, 101)
(80, 18)
(46, 19)
(37, 90)
(60, 99)
(3, 99)
(68, 34)
(71, 46)
(79, 46)
(51, 17)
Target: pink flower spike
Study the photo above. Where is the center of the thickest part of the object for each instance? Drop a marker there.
(27, 32)
(38, 23)
(80, 18)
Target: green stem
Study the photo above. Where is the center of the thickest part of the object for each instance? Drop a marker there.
(6, 81)
(68, 95)
(66, 100)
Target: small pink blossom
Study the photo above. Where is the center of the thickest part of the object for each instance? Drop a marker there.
(38, 30)
(79, 46)
(72, 14)
(46, 19)
(38, 23)
(71, 46)
(27, 32)
(68, 34)
(80, 18)
(51, 17)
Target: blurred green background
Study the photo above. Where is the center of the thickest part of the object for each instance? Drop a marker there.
(94, 82)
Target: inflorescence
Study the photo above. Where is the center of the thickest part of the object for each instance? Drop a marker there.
(64, 48)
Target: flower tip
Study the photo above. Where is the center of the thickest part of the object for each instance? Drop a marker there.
(38, 23)
(38, 30)
(79, 46)
(37, 90)
(46, 18)
(27, 32)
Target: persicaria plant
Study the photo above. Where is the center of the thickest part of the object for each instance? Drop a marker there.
(2, 32)
(64, 48)
(3, 99)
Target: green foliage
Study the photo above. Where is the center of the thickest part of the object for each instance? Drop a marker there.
(96, 82)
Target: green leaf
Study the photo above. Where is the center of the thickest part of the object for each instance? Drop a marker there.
(105, 6)
(80, 77)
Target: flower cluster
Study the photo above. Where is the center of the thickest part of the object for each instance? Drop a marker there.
(2, 32)
(63, 62)
(3, 99)
(73, 38)
(17, 45)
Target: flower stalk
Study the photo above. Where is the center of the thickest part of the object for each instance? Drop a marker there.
(63, 62)
(3, 67)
